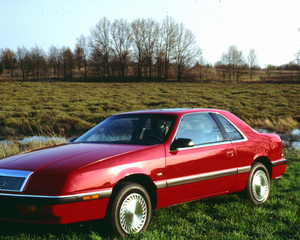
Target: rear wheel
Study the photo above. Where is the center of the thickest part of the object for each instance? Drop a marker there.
(258, 186)
(131, 210)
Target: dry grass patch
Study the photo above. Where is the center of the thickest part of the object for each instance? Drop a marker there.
(70, 109)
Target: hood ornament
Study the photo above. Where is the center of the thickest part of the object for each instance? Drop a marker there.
(2, 182)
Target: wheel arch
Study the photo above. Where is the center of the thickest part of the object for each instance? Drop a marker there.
(265, 161)
(141, 179)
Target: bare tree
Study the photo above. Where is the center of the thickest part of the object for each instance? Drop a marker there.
(200, 67)
(9, 60)
(139, 29)
(55, 59)
(82, 52)
(185, 51)
(38, 61)
(121, 42)
(78, 55)
(152, 31)
(96, 59)
(24, 60)
(297, 58)
(235, 62)
(68, 62)
(270, 69)
(100, 41)
(252, 61)
(222, 66)
(169, 32)
(159, 53)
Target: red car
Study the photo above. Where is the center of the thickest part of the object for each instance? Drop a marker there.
(134, 162)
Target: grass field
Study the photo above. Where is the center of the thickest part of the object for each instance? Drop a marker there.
(69, 109)
(223, 217)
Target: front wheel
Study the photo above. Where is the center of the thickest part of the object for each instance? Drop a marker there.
(258, 185)
(131, 210)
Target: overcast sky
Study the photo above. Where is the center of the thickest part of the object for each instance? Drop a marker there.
(270, 27)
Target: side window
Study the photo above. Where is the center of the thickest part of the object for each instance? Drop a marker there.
(201, 128)
(232, 132)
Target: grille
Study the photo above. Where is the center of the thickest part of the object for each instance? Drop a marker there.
(13, 180)
(11, 183)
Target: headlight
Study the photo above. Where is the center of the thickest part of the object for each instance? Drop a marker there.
(45, 182)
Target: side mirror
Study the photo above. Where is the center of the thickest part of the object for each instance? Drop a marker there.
(73, 139)
(182, 143)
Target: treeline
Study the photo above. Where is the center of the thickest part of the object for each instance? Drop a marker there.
(143, 48)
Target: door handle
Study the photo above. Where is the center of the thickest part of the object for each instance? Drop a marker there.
(230, 153)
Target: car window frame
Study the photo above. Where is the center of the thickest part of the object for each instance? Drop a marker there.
(172, 117)
(214, 114)
(220, 126)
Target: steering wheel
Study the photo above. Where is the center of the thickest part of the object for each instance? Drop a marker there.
(153, 137)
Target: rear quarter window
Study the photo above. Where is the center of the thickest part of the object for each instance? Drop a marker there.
(232, 132)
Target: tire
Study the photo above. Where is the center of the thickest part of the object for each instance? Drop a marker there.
(131, 210)
(258, 185)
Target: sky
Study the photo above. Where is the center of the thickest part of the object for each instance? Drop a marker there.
(270, 27)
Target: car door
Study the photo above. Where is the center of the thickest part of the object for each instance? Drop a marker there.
(206, 169)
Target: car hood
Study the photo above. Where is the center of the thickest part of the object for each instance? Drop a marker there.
(86, 152)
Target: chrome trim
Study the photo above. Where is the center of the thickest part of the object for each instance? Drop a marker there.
(201, 177)
(282, 161)
(161, 184)
(102, 194)
(209, 144)
(244, 136)
(17, 174)
(239, 140)
(244, 169)
(203, 145)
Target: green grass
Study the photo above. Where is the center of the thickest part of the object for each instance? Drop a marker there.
(69, 109)
(223, 217)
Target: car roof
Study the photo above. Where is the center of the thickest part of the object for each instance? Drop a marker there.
(172, 111)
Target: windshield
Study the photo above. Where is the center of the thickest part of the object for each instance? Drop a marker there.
(139, 129)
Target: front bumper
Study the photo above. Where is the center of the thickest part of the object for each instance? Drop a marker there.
(53, 209)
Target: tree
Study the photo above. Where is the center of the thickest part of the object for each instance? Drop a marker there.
(200, 66)
(100, 42)
(297, 58)
(96, 59)
(68, 62)
(54, 59)
(38, 61)
(9, 60)
(23, 55)
(139, 29)
(121, 42)
(1, 69)
(235, 62)
(152, 31)
(269, 70)
(252, 62)
(185, 51)
(159, 53)
(221, 69)
(82, 52)
(169, 32)
(78, 55)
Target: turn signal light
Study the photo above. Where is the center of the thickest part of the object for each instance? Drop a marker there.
(90, 197)
(33, 208)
